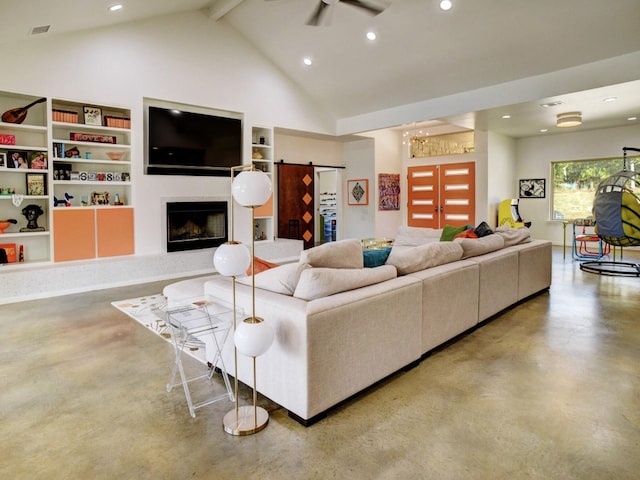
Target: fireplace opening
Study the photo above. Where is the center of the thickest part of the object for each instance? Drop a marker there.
(195, 225)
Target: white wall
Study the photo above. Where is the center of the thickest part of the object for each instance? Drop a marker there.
(186, 58)
(534, 157)
(359, 221)
(501, 168)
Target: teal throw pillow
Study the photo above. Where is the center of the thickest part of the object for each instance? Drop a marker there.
(449, 232)
(375, 258)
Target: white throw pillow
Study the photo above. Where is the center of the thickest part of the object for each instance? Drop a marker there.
(282, 279)
(472, 247)
(414, 236)
(340, 254)
(513, 236)
(409, 260)
(322, 282)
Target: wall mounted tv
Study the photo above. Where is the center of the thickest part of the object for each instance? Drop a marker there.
(181, 142)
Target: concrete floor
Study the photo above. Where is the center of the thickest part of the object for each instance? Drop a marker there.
(547, 390)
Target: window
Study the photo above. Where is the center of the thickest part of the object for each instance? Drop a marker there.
(575, 183)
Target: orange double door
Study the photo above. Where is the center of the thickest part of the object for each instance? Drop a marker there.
(441, 195)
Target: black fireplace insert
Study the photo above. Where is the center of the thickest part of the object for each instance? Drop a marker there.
(195, 225)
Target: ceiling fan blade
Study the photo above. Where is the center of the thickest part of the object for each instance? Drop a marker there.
(315, 19)
(364, 6)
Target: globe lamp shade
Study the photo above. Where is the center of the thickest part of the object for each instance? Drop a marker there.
(231, 259)
(251, 188)
(253, 337)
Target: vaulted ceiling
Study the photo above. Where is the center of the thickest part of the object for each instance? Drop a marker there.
(486, 58)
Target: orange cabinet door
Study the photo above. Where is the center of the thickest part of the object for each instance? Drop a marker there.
(115, 231)
(74, 234)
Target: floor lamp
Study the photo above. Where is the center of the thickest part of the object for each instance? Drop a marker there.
(252, 337)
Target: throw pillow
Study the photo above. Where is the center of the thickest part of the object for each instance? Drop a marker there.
(261, 265)
(472, 247)
(340, 254)
(322, 282)
(282, 279)
(409, 260)
(468, 233)
(375, 258)
(449, 232)
(483, 230)
(414, 236)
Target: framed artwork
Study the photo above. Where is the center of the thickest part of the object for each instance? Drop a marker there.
(3, 160)
(389, 191)
(92, 116)
(36, 184)
(17, 159)
(100, 198)
(38, 160)
(358, 191)
(532, 188)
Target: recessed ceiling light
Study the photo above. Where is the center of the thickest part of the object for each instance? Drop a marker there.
(115, 7)
(307, 61)
(543, 130)
(631, 119)
(551, 104)
(446, 5)
(371, 35)
(610, 99)
(506, 116)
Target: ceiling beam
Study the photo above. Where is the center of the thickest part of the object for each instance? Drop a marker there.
(219, 8)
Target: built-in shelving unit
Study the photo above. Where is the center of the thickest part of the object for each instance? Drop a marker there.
(28, 184)
(262, 159)
(327, 209)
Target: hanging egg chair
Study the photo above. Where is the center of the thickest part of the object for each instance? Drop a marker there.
(617, 213)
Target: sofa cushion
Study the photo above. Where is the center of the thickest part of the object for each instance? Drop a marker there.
(409, 260)
(414, 236)
(282, 279)
(472, 247)
(375, 257)
(513, 236)
(449, 232)
(340, 254)
(322, 282)
(468, 233)
(483, 229)
(261, 265)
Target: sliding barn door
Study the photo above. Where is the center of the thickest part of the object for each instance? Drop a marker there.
(441, 195)
(295, 203)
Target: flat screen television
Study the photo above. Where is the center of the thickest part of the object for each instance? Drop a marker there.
(180, 142)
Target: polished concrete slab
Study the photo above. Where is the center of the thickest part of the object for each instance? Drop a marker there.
(549, 389)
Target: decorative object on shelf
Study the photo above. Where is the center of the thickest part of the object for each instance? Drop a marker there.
(256, 155)
(38, 160)
(17, 159)
(17, 115)
(61, 171)
(250, 188)
(532, 188)
(115, 156)
(358, 191)
(3, 160)
(92, 116)
(31, 212)
(65, 116)
(7, 139)
(7, 223)
(8, 253)
(66, 202)
(99, 198)
(36, 184)
(389, 191)
(92, 137)
(16, 199)
(73, 152)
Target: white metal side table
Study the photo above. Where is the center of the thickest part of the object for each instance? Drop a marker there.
(201, 323)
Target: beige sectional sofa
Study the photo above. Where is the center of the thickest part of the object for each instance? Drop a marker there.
(342, 340)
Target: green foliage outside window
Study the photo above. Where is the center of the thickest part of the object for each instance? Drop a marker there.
(575, 183)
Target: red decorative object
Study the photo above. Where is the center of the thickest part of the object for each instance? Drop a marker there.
(90, 137)
(7, 139)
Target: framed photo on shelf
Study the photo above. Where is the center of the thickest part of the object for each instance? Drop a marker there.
(17, 159)
(92, 116)
(36, 184)
(358, 191)
(38, 160)
(3, 160)
(99, 198)
(532, 188)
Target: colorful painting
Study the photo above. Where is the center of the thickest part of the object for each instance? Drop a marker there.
(389, 191)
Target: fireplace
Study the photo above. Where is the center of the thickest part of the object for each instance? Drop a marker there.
(195, 225)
